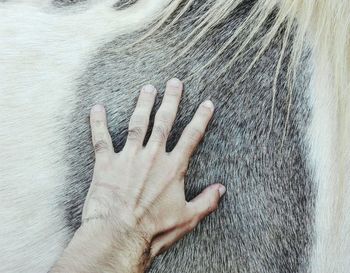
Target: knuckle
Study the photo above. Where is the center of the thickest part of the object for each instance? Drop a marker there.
(100, 146)
(137, 127)
(135, 132)
(160, 133)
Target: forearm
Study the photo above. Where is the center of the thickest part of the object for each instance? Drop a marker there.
(93, 251)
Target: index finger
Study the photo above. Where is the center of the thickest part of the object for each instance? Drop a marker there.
(101, 138)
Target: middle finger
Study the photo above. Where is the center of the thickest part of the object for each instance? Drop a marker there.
(166, 114)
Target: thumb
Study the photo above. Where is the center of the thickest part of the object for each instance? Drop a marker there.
(207, 201)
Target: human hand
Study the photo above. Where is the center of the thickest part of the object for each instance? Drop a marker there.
(137, 195)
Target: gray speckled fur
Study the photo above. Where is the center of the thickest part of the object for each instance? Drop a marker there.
(124, 4)
(264, 223)
(62, 3)
(120, 5)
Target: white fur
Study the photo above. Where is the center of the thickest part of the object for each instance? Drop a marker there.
(331, 251)
(41, 53)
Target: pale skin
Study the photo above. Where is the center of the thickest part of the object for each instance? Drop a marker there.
(136, 207)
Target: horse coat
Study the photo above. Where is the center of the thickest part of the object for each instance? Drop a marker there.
(277, 140)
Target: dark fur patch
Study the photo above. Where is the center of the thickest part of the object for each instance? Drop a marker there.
(264, 223)
(62, 3)
(124, 4)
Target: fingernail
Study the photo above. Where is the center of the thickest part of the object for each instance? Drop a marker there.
(149, 88)
(208, 104)
(98, 108)
(222, 190)
(174, 82)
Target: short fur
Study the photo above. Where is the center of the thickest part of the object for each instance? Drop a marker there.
(277, 140)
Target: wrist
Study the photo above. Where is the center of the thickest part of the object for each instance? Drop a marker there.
(99, 246)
